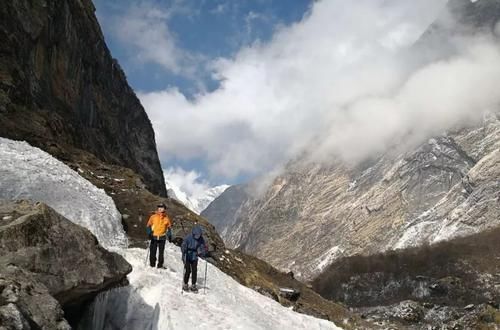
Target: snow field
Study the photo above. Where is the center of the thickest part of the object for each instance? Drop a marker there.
(226, 304)
(30, 173)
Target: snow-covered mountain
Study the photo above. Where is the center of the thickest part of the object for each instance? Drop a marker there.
(153, 300)
(190, 190)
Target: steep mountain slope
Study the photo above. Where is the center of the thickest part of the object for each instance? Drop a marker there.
(61, 90)
(222, 211)
(313, 214)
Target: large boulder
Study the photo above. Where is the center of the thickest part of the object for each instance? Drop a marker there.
(26, 304)
(40, 251)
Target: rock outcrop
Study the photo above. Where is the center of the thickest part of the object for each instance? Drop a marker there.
(47, 265)
(61, 90)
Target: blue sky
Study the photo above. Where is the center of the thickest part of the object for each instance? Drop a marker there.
(203, 29)
(207, 28)
(235, 89)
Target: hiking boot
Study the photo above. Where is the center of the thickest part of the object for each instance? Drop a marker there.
(185, 287)
(194, 288)
(161, 267)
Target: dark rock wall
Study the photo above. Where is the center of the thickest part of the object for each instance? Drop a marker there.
(59, 86)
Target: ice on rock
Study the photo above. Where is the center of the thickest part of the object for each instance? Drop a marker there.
(29, 173)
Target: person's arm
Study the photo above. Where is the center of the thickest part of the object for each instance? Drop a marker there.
(149, 229)
(150, 221)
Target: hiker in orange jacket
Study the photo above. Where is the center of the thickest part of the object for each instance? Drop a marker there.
(158, 229)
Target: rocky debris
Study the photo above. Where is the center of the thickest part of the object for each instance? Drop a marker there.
(266, 292)
(409, 311)
(46, 256)
(61, 90)
(414, 315)
(289, 293)
(27, 304)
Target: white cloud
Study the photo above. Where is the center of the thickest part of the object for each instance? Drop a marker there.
(190, 188)
(189, 182)
(330, 83)
(221, 8)
(143, 28)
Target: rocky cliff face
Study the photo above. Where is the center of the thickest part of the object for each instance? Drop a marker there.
(61, 90)
(47, 265)
(314, 214)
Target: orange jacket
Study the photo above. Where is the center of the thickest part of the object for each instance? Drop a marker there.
(159, 223)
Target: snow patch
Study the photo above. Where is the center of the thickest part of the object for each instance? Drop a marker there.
(226, 304)
(413, 235)
(328, 257)
(27, 172)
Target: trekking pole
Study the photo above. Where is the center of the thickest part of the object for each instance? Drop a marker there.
(147, 253)
(205, 286)
(183, 274)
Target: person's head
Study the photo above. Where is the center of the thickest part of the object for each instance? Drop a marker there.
(161, 208)
(197, 232)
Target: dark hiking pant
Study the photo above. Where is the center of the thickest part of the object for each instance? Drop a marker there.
(190, 267)
(160, 245)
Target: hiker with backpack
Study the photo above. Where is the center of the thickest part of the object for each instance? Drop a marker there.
(193, 246)
(158, 229)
